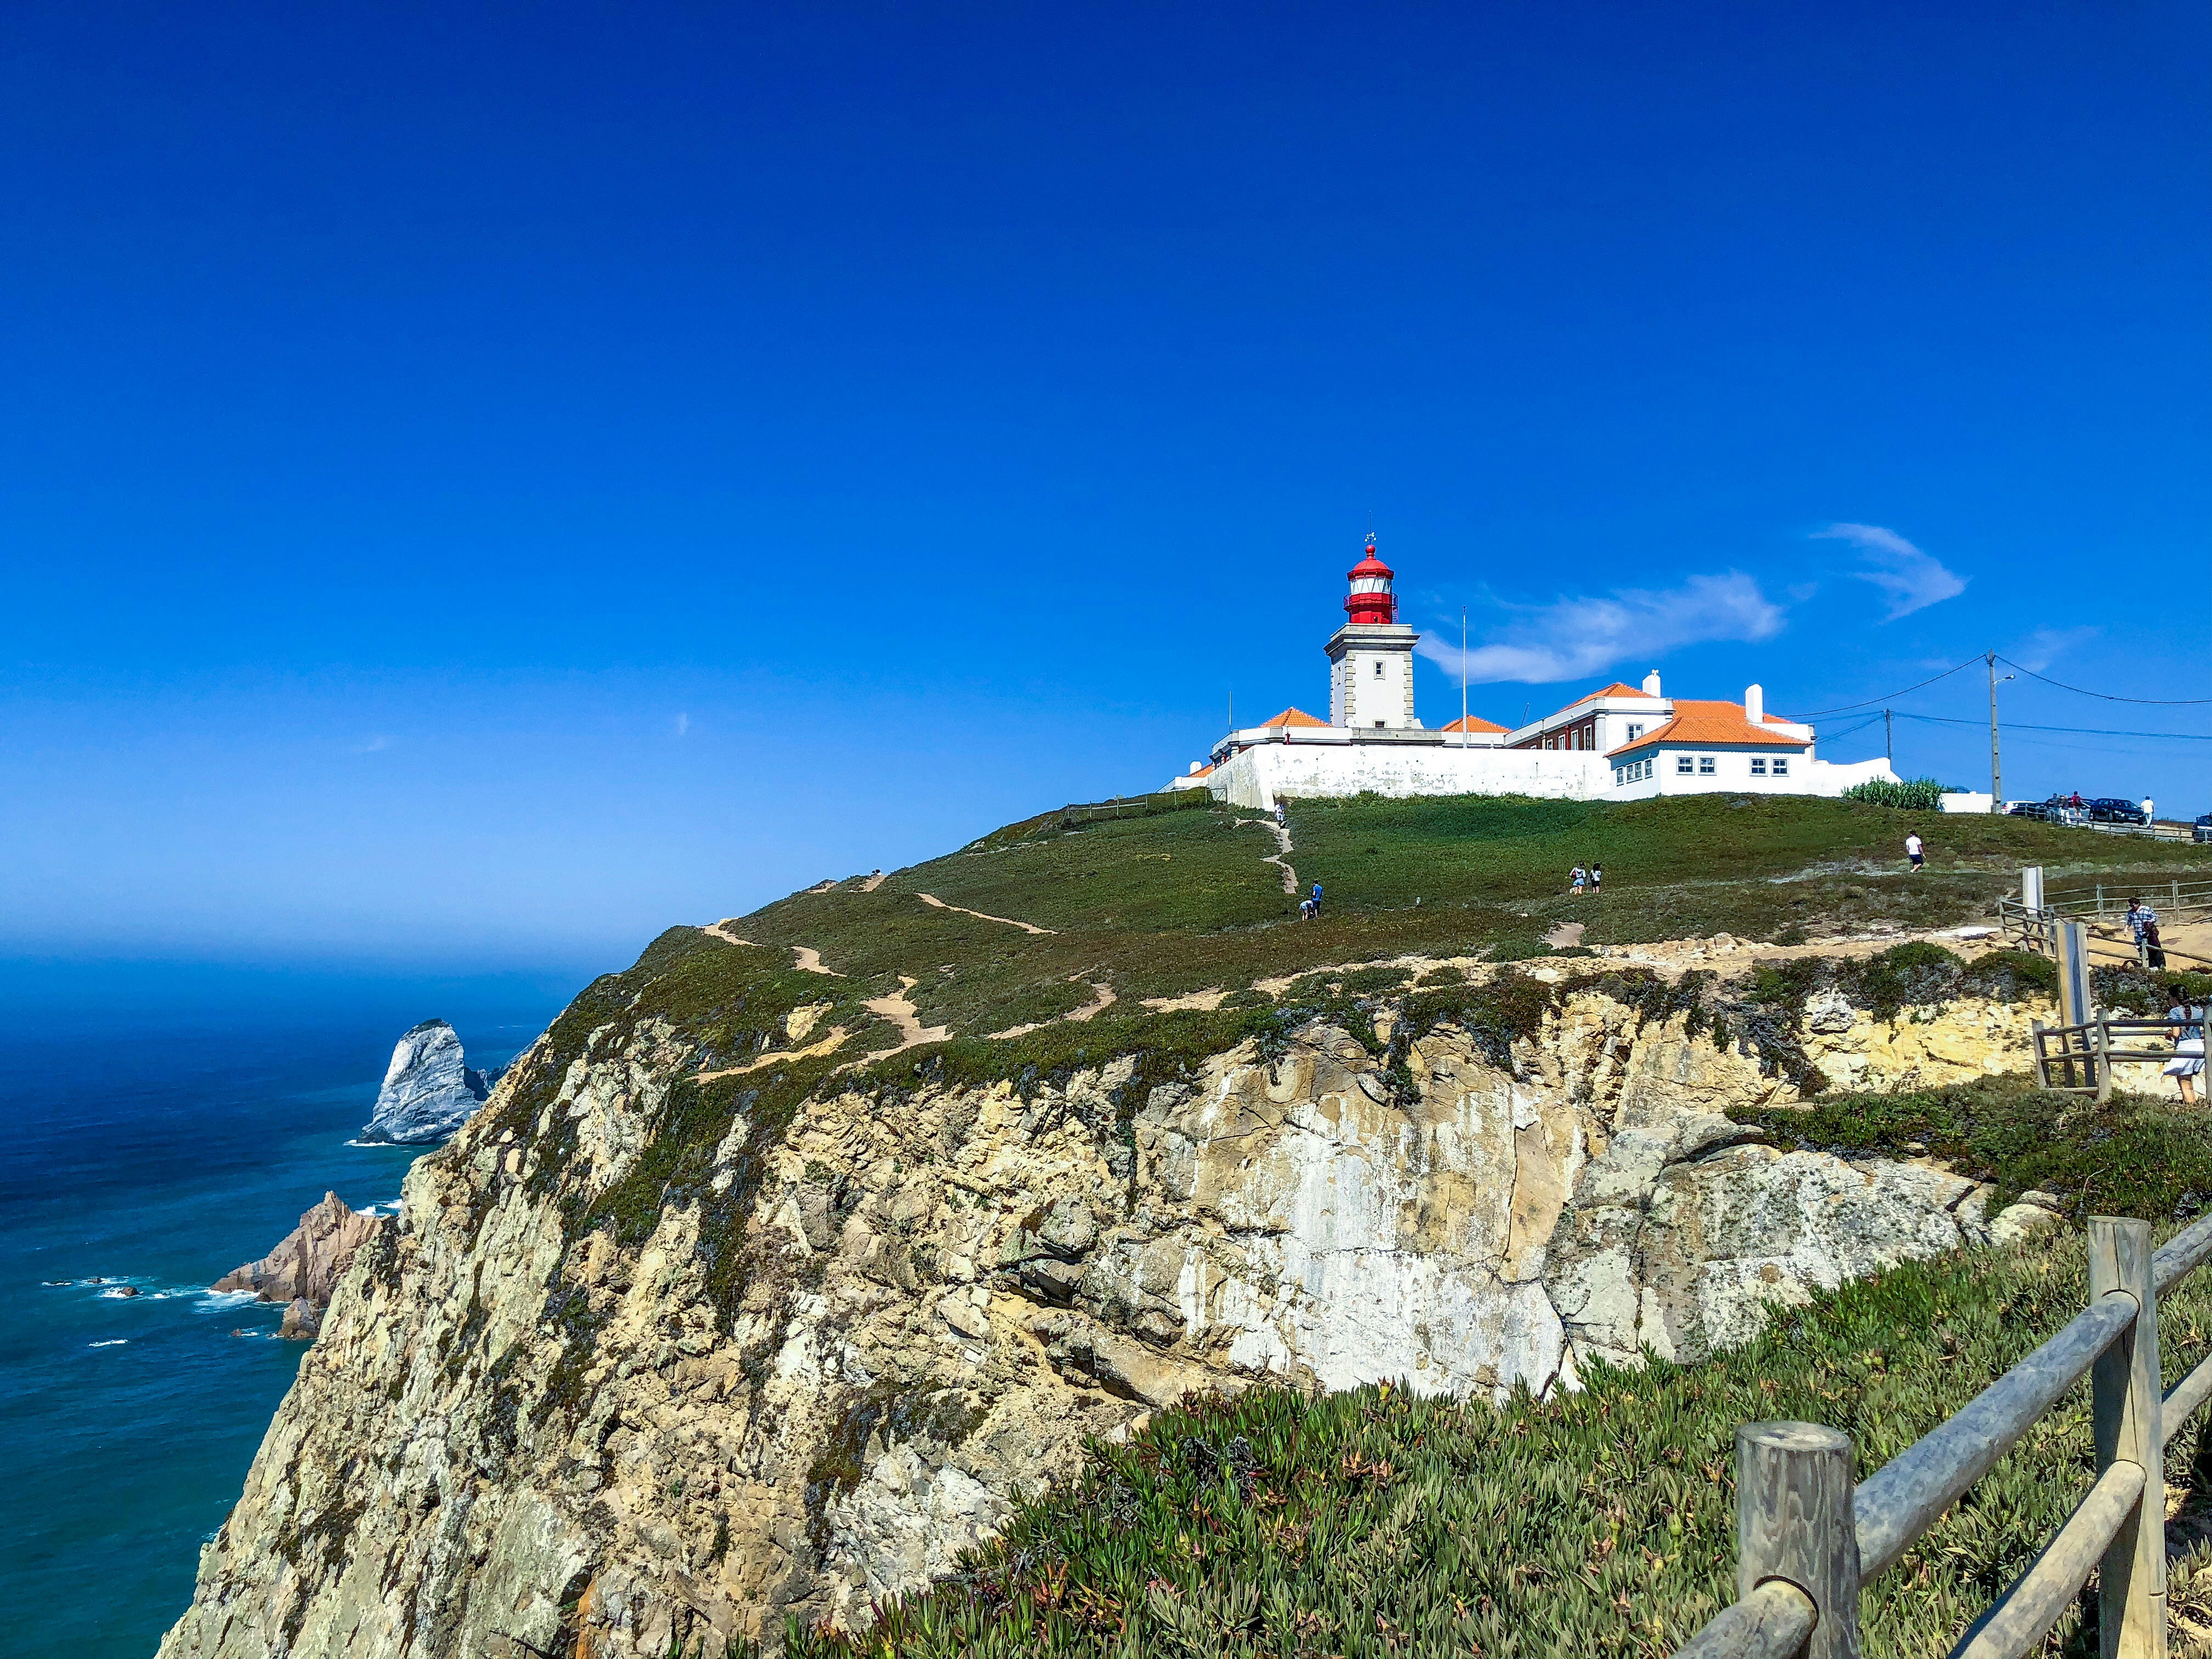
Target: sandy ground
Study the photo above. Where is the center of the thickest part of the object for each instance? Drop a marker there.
(902, 1013)
(1101, 998)
(1026, 926)
(1281, 857)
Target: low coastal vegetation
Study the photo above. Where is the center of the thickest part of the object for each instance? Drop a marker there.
(1379, 1522)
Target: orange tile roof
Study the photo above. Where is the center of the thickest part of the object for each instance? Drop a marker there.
(1200, 772)
(1616, 690)
(1473, 723)
(1716, 722)
(1294, 717)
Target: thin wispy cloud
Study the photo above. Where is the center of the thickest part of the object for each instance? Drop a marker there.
(2046, 645)
(1912, 580)
(683, 724)
(1572, 638)
(373, 746)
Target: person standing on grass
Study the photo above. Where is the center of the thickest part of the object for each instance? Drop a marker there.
(1575, 879)
(2188, 1062)
(1913, 851)
(1316, 899)
(1597, 879)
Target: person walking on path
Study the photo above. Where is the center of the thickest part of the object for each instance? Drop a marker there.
(1597, 878)
(1278, 815)
(1577, 877)
(1913, 851)
(2188, 1062)
(2142, 922)
(2149, 819)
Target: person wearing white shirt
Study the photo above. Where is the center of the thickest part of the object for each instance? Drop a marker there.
(1912, 849)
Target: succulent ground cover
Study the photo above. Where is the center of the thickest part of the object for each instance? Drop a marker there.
(1379, 1524)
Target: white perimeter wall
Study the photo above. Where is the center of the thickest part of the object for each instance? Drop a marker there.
(1256, 777)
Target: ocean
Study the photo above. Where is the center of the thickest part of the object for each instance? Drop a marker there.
(163, 1126)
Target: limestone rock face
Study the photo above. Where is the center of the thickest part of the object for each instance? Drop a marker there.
(429, 1090)
(305, 1269)
(836, 1358)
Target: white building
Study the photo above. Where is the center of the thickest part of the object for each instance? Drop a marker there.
(1618, 743)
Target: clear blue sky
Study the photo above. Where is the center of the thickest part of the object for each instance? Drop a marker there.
(482, 482)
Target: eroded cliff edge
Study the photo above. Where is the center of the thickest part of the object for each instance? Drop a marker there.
(691, 1329)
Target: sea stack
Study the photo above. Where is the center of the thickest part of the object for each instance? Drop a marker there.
(429, 1090)
(302, 1271)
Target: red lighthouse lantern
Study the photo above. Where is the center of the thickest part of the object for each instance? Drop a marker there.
(1371, 599)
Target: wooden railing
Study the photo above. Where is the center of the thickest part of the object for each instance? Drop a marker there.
(1807, 1539)
(1137, 807)
(2079, 1059)
(2101, 902)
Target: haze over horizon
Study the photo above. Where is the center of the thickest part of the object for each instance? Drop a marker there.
(483, 487)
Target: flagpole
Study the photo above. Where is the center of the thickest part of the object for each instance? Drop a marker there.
(1462, 677)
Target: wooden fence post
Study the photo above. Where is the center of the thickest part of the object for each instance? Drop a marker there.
(1794, 1521)
(2076, 994)
(2126, 1397)
(2103, 1030)
(2042, 1065)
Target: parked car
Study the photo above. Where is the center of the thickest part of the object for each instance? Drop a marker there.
(2111, 809)
(2204, 826)
(2040, 809)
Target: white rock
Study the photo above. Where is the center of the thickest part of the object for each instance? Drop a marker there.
(429, 1092)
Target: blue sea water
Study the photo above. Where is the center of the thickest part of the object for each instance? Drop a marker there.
(163, 1126)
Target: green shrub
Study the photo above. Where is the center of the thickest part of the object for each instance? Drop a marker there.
(1914, 794)
(2134, 1156)
(1379, 1524)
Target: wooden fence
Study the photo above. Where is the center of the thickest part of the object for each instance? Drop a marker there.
(1808, 1538)
(2079, 1059)
(2110, 898)
(1137, 807)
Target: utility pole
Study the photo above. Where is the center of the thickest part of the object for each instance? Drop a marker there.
(1462, 677)
(1996, 771)
(1888, 748)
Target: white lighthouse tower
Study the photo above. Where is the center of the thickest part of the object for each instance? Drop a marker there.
(1370, 680)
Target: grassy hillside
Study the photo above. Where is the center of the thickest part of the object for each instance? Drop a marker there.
(1182, 903)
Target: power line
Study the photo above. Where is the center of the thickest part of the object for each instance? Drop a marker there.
(2164, 703)
(1847, 707)
(2077, 731)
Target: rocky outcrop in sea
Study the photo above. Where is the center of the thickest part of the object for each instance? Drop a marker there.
(430, 1091)
(303, 1270)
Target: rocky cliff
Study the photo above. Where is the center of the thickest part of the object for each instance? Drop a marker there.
(702, 1323)
(304, 1269)
(430, 1091)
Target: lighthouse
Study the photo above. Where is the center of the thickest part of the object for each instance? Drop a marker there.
(1371, 679)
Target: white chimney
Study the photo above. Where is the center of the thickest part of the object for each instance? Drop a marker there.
(1193, 765)
(1754, 704)
(1651, 683)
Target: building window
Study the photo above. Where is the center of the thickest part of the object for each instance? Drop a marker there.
(1705, 766)
(1634, 733)
(1682, 764)
(1781, 767)
(1378, 670)
(1619, 776)
(1378, 725)
(1757, 766)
